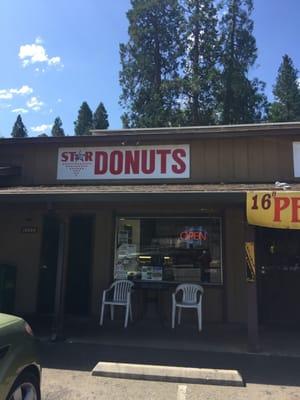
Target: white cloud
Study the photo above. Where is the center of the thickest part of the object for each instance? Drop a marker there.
(54, 61)
(23, 90)
(39, 40)
(59, 100)
(41, 128)
(34, 103)
(36, 53)
(10, 93)
(5, 94)
(20, 111)
(4, 106)
(40, 70)
(32, 53)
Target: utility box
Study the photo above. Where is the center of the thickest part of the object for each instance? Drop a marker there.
(7, 288)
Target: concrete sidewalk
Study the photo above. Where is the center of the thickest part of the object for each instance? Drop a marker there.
(155, 333)
(231, 338)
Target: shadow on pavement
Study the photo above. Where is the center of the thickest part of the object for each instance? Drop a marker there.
(258, 369)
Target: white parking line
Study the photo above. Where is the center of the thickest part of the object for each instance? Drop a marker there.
(181, 392)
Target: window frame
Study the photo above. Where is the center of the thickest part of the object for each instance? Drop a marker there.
(155, 216)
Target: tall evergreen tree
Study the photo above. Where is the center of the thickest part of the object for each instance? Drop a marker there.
(19, 130)
(201, 74)
(242, 99)
(100, 118)
(150, 63)
(286, 106)
(84, 122)
(57, 129)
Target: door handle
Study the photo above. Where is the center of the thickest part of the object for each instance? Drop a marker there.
(44, 267)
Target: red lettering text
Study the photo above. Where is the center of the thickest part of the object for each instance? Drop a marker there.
(280, 204)
(88, 156)
(132, 162)
(64, 156)
(116, 162)
(72, 155)
(178, 155)
(191, 235)
(101, 162)
(295, 209)
(148, 162)
(163, 159)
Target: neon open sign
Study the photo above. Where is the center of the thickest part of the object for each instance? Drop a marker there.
(193, 235)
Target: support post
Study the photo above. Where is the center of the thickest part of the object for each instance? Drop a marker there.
(252, 319)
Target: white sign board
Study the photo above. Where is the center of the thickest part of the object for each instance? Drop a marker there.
(115, 163)
(296, 151)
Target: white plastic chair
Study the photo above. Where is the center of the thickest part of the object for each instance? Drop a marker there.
(191, 298)
(121, 297)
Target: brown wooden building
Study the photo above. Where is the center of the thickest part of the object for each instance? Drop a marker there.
(161, 205)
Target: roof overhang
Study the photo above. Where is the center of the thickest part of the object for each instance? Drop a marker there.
(209, 197)
(172, 193)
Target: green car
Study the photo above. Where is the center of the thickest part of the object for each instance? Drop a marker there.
(20, 372)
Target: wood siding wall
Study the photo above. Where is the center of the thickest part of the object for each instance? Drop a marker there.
(240, 160)
(226, 302)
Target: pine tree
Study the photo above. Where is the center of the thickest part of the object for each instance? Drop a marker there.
(84, 122)
(100, 118)
(57, 129)
(242, 99)
(201, 75)
(286, 106)
(19, 130)
(150, 62)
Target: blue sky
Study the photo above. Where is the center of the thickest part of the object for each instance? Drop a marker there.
(58, 53)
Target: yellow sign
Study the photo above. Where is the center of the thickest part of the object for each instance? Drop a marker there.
(274, 209)
(250, 261)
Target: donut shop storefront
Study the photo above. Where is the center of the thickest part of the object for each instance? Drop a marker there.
(159, 207)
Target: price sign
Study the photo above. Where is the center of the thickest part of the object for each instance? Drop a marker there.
(274, 209)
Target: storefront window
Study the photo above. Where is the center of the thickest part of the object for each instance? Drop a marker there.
(169, 249)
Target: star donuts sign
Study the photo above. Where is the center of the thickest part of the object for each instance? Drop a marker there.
(115, 163)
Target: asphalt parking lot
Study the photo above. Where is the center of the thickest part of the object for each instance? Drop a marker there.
(67, 374)
(79, 385)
